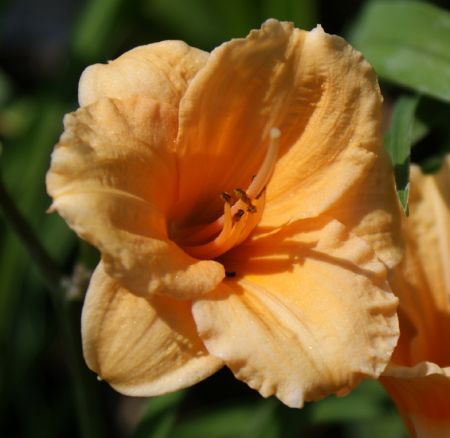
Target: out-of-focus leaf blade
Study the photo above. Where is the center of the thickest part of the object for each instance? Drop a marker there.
(239, 421)
(24, 318)
(25, 181)
(5, 88)
(302, 12)
(159, 417)
(388, 425)
(16, 116)
(363, 403)
(237, 17)
(408, 43)
(398, 142)
(94, 27)
(203, 23)
(435, 115)
(419, 130)
(366, 412)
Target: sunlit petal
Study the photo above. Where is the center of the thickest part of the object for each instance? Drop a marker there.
(371, 211)
(225, 116)
(429, 227)
(314, 87)
(112, 179)
(310, 313)
(161, 71)
(418, 378)
(248, 184)
(330, 129)
(422, 396)
(141, 346)
(422, 281)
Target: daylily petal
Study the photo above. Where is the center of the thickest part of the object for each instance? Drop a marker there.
(418, 378)
(335, 147)
(421, 394)
(422, 313)
(371, 211)
(429, 228)
(314, 87)
(311, 315)
(224, 117)
(422, 280)
(141, 346)
(173, 148)
(113, 180)
(161, 71)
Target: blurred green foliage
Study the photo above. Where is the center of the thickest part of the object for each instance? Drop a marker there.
(397, 142)
(41, 58)
(407, 43)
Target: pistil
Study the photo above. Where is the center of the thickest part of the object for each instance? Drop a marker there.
(265, 172)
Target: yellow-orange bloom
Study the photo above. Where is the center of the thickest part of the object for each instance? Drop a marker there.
(244, 212)
(418, 378)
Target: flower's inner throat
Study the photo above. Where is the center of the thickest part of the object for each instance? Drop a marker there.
(241, 212)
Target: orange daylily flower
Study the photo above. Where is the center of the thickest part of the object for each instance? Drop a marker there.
(244, 211)
(418, 378)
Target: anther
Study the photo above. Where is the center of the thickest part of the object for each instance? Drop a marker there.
(242, 195)
(226, 197)
(240, 215)
(245, 199)
(237, 216)
(230, 274)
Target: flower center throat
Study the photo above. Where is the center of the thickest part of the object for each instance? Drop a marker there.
(242, 212)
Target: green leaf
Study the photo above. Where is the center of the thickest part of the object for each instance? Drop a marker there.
(25, 181)
(203, 23)
(362, 404)
(237, 421)
(435, 115)
(94, 27)
(419, 130)
(302, 12)
(160, 415)
(407, 42)
(388, 425)
(235, 17)
(398, 142)
(5, 88)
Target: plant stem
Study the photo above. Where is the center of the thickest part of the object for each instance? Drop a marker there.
(51, 273)
(91, 424)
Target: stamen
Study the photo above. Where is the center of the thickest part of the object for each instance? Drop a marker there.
(237, 216)
(238, 219)
(265, 172)
(253, 219)
(242, 195)
(232, 234)
(226, 240)
(245, 199)
(228, 221)
(226, 197)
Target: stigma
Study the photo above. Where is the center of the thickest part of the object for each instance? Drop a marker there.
(241, 211)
